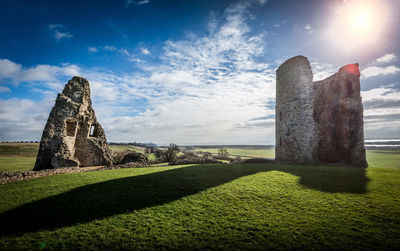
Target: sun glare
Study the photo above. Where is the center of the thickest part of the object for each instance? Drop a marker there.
(358, 23)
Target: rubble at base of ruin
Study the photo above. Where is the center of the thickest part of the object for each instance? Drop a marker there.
(321, 121)
(72, 136)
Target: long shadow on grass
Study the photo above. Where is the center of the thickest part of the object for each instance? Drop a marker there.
(112, 197)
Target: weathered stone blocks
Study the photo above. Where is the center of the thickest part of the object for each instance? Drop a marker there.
(322, 121)
(72, 136)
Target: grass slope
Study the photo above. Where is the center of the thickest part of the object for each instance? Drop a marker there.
(259, 206)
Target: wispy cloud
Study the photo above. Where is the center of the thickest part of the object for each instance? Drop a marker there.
(308, 29)
(4, 89)
(59, 31)
(387, 58)
(206, 89)
(141, 2)
(374, 71)
(16, 73)
(92, 49)
(145, 51)
(381, 111)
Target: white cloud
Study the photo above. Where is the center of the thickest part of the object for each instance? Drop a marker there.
(4, 89)
(381, 111)
(387, 58)
(262, 2)
(145, 51)
(373, 71)
(322, 70)
(381, 93)
(16, 73)
(141, 2)
(22, 119)
(58, 31)
(109, 48)
(308, 29)
(206, 90)
(92, 49)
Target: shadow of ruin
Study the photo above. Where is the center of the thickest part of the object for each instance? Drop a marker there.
(122, 195)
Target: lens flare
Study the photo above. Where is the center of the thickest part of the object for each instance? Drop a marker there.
(358, 23)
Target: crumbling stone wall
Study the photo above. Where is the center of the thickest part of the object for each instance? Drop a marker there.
(72, 136)
(322, 121)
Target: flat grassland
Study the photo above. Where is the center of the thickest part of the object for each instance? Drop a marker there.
(17, 156)
(21, 156)
(243, 152)
(252, 206)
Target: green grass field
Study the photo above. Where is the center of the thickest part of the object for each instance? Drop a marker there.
(252, 206)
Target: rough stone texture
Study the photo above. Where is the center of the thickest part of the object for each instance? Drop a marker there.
(72, 136)
(134, 157)
(322, 121)
(295, 126)
(26, 175)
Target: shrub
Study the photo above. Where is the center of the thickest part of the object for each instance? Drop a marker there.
(192, 158)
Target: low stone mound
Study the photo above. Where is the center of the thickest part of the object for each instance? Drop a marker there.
(191, 158)
(134, 157)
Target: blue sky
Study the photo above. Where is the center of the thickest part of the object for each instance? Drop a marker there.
(189, 72)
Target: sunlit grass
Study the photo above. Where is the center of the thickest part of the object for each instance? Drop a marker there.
(259, 206)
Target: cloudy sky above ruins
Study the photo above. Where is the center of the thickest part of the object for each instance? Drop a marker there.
(189, 72)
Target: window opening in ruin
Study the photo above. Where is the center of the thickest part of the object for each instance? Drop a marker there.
(280, 141)
(71, 128)
(93, 130)
(280, 116)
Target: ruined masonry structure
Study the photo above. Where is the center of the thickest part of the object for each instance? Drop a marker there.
(321, 121)
(72, 136)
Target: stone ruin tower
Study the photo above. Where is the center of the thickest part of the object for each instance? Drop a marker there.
(318, 122)
(72, 136)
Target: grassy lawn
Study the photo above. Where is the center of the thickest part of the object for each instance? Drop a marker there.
(260, 153)
(17, 156)
(383, 158)
(257, 206)
(22, 156)
(13, 164)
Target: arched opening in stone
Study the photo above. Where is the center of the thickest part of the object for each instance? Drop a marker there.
(93, 132)
(71, 127)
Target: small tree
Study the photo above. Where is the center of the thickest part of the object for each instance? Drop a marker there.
(223, 153)
(171, 153)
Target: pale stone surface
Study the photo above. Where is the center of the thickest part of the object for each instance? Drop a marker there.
(72, 136)
(322, 121)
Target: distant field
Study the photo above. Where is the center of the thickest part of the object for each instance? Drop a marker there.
(22, 156)
(17, 156)
(248, 152)
(383, 158)
(120, 148)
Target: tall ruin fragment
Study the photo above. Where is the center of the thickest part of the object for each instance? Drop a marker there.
(72, 136)
(321, 121)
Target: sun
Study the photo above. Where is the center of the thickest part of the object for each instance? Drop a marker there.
(358, 23)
